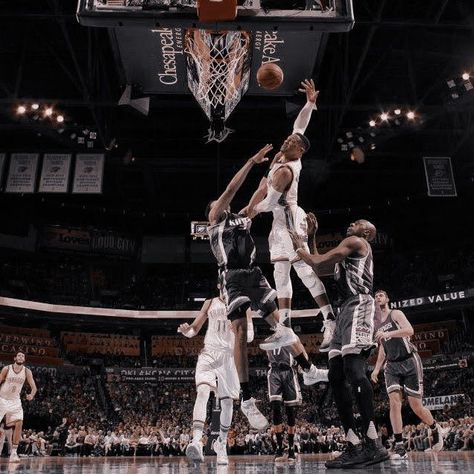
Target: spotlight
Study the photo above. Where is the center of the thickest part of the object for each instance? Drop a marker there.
(465, 76)
(21, 109)
(34, 106)
(48, 112)
(60, 119)
(397, 111)
(372, 123)
(384, 116)
(410, 115)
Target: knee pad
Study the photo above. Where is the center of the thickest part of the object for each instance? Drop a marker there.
(277, 412)
(281, 273)
(309, 278)
(291, 416)
(354, 369)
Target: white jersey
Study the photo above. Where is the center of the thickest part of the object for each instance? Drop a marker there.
(11, 387)
(289, 199)
(219, 334)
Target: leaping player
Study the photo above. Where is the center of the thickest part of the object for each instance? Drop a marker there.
(243, 285)
(278, 193)
(12, 379)
(215, 363)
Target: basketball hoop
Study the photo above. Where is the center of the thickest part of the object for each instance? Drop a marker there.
(218, 68)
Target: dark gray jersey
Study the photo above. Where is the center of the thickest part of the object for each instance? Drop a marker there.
(397, 348)
(231, 242)
(355, 275)
(281, 355)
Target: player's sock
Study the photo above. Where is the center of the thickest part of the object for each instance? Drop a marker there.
(279, 437)
(246, 395)
(14, 448)
(398, 438)
(291, 441)
(225, 418)
(303, 362)
(327, 312)
(198, 428)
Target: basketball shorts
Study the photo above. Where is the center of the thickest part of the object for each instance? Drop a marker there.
(279, 241)
(405, 375)
(283, 386)
(217, 368)
(11, 410)
(247, 287)
(354, 327)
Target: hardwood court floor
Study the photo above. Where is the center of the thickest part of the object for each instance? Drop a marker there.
(419, 463)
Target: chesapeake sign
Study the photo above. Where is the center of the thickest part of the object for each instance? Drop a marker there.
(433, 299)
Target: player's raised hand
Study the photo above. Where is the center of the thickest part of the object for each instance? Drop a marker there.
(296, 239)
(312, 223)
(29, 397)
(309, 89)
(260, 156)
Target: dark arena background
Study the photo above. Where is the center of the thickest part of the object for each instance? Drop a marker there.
(113, 141)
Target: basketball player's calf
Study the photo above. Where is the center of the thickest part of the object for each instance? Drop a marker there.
(277, 410)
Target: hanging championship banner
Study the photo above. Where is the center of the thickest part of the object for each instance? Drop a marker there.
(22, 173)
(88, 174)
(439, 177)
(55, 173)
(3, 157)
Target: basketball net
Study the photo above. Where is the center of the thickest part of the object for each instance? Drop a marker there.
(218, 68)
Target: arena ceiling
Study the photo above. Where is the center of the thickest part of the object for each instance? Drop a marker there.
(399, 54)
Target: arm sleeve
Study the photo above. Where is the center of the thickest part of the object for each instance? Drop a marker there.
(304, 117)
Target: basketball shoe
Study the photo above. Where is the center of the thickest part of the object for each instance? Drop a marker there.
(399, 452)
(220, 448)
(329, 326)
(194, 451)
(438, 442)
(253, 414)
(281, 337)
(314, 375)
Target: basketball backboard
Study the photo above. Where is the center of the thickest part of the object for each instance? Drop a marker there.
(164, 48)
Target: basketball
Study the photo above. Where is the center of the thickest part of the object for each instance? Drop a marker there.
(270, 76)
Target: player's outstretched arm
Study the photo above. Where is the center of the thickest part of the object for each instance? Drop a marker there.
(190, 330)
(3, 374)
(32, 384)
(228, 195)
(304, 117)
(406, 329)
(348, 246)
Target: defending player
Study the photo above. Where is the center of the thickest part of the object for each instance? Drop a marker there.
(403, 373)
(243, 285)
(215, 364)
(278, 193)
(284, 390)
(353, 339)
(12, 379)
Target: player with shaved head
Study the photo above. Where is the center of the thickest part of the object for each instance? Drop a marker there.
(353, 338)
